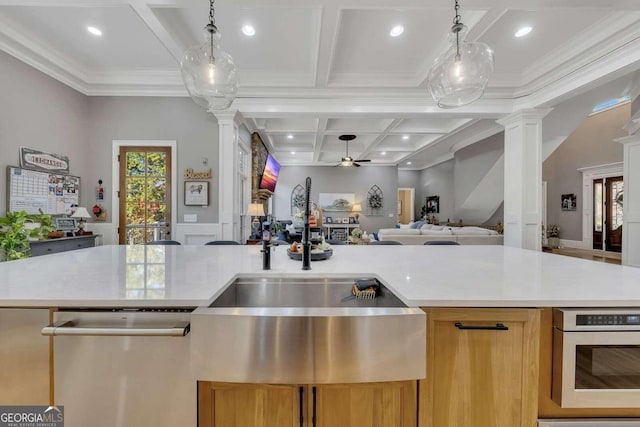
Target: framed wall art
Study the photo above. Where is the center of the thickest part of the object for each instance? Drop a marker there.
(196, 193)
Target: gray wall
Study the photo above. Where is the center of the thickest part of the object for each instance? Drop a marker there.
(327, 179)
(471, 165)
(39, 112)
(591, 144)
(437, 180)
(151, 118)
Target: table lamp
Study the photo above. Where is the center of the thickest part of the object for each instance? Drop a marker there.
(82, 214)
(256, 210)
(357, 208)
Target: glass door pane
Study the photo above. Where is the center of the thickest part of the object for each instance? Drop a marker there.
(144, 194)
(598, 213)
(614, 220)
(612, 367)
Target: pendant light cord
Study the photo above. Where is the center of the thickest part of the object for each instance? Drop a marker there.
(212, 19)
(457, 26)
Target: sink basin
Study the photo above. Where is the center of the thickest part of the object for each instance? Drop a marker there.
(283, 330)
(299, 292)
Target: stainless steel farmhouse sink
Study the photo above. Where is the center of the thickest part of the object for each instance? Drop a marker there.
(284, 330)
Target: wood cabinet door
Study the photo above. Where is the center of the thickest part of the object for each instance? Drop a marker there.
(482, 368)
(387, 404)
(249, 405)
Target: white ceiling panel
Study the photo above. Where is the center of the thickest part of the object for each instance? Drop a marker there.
(289, 125)
(365, 49)
(357, 125)
(551, 28)
(397, 143)
(298, 140)
(126, 42)
(285, 40)
(427, 125)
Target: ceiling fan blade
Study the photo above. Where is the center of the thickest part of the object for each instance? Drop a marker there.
(363, 160)
(355, 164)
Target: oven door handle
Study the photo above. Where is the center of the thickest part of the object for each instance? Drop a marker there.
(497, 327)
(70, 328)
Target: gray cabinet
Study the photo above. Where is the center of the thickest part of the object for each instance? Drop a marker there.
(52, 246)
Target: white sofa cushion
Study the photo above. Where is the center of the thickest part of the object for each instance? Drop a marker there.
(404, 226)
(445, 232)
(426, 227)
(464, 232)
(398, 232)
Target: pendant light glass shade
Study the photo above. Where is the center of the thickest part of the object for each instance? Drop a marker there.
(460, 75)
(209, 73)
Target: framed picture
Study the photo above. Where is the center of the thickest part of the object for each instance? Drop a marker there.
(336, 202)
(352, 220)
(196, 193)
(66, 224)
(345, 220)
(568, 202)
(328, 219)
(433, 204)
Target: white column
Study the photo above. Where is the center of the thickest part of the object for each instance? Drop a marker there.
(523, 178)
(228, 209)
(631, 201)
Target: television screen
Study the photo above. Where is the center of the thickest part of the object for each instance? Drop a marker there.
(270, 174)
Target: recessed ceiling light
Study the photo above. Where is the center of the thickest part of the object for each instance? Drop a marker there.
(248, 30)
(293, 153)
(523, 31)
(289, 136)
(384, 153)
(405, 137)
(408, 163)
(396, 31)
(95, 31)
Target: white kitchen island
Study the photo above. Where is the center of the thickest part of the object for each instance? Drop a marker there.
(136, 378)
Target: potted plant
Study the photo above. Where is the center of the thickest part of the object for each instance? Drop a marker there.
(278, 228)
(553, 233)
(43, 225)
(14, 238)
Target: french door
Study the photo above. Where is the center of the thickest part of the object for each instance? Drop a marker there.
(145, 194)
(607, 213)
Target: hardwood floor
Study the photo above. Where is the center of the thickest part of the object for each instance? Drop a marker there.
(608, 257)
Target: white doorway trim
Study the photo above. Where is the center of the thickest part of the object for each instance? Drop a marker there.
(588, 175)
(115, 178)
(545, 240)
(413, 201)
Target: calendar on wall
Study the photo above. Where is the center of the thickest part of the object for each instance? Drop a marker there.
(30, 191)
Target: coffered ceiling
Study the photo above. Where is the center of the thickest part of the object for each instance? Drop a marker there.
(320, 68)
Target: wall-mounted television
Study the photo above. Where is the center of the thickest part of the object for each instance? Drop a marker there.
(270, 174)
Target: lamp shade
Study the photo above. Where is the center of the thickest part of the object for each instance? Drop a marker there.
(81, 213)
(357, 207)
(256, 209)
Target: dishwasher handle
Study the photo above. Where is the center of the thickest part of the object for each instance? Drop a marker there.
(70, 328)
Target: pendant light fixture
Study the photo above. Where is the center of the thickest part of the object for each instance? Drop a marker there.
(208, 71)
(460, 75)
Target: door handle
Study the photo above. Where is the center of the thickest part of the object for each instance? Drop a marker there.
(69, 328)
(497, 327)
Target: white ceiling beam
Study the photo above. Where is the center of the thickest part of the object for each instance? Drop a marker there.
(329, 28)
(367, 151)
(157, 28)
(371, 108)
(319, 142)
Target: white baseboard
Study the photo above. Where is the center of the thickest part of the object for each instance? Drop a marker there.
(187, 234)
(575, 244)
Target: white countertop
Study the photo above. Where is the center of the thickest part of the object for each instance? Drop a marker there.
(463, 276)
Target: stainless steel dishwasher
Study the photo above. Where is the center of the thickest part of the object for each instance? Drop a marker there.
(123, 367)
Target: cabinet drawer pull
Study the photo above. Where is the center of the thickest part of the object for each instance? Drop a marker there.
(69, 328)
(498, 327)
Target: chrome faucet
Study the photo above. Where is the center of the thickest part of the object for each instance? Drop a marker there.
(306, 240)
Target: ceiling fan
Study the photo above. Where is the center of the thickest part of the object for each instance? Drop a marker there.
(348, 160)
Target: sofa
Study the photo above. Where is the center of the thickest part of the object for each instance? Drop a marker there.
(409, 235)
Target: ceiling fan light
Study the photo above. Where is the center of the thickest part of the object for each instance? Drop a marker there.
(209, 73)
